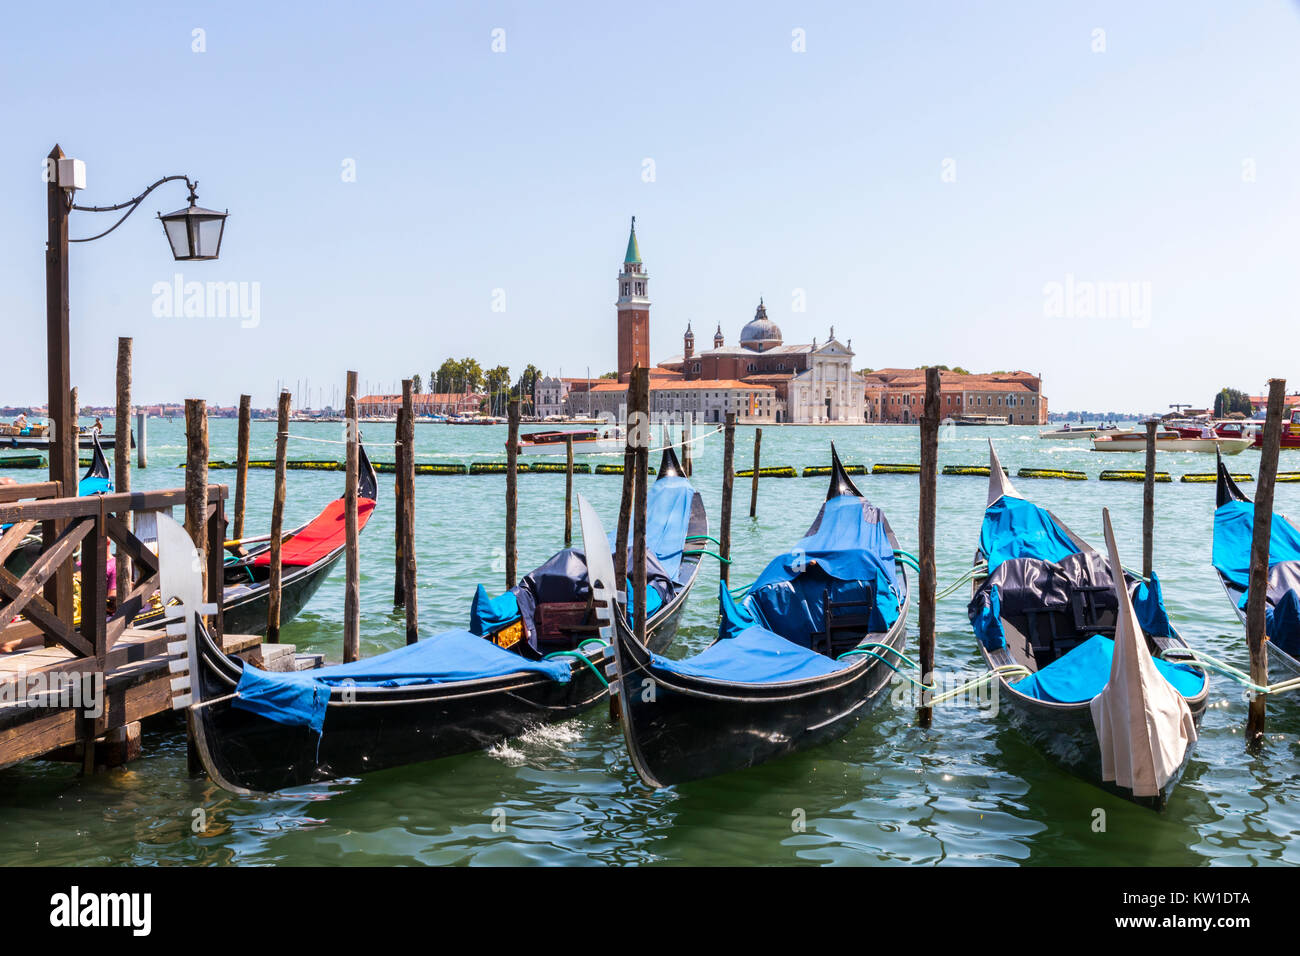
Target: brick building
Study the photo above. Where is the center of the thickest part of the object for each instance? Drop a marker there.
(898, 395)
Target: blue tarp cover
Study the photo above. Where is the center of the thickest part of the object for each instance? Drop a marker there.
(1234, 526)
(668, 518)
(849, 552)
(299, 697)
(754, 656)
(1016, 528)
(1084, 672)
(486, 613)
(1282, 623)
(94, 486)
(1149, 605)
(988, 621)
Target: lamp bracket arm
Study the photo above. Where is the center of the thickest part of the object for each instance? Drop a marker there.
(131, 205)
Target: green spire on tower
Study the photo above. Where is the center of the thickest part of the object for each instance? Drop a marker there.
(633, 256)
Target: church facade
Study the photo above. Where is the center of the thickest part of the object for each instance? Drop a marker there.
(813, 383)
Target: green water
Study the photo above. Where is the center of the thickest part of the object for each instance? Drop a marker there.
(968, 790)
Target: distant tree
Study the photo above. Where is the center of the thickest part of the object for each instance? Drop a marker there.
(610, 375)
(471, 374)
(498, 381)
(417, 384)
(523, 389)
(448, 376)
(1231, 400)
(865, 371)
(961, 371)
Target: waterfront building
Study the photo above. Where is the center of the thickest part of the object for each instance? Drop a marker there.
(898, 395)
(434, 403)
(812, 383)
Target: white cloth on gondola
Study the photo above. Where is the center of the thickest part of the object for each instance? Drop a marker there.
(1144, 726)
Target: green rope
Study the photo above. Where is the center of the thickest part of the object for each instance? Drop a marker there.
(707, 537)
(582, 657)
(974, 572)
(1208, 663)
(908, 559)
(742, 589)
(710, 554)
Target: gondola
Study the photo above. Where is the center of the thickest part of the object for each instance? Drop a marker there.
(1234, 522)
(97, 480)
(451, 693)
(307, 556)
(1078, 654)
(798, 662)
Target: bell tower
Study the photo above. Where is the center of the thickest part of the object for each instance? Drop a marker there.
(633, 311)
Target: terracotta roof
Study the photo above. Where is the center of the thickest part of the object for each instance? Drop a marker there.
(716, 384)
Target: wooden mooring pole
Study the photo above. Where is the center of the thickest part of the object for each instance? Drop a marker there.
(1149, 503)
(196, 477)
(277, 520)
(122, 458)
(241, 463)
(512, 490)
(728, 481)
(141, 440)
(686, 447)
(639, 430)
(399, 502)
(568, 491)
(625, 501)
(407, 439)
(925, 534)
(352, 587)
(753, 491)
(1257, 592)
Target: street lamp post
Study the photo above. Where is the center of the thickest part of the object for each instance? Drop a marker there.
(193, 233)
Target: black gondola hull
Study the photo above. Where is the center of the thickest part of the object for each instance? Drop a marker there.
(681, 728)
(381, 727)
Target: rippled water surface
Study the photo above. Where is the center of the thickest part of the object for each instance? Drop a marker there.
(968, 790)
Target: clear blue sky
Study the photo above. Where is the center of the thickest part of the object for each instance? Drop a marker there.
(774, 171)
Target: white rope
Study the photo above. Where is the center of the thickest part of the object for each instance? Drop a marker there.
(480, 455)
(336, 441)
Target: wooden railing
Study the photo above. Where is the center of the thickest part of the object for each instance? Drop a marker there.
(89, 523)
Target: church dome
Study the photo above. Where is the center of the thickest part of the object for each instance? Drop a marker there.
(761, 332)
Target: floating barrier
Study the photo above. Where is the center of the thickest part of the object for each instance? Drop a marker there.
(819, 471)
(970, 470)
(556, 467)
(430, 468)
(1208, 477)
(1287, 476)
(496, 467)
(26, 461)
(1113, 475)
(775, 471)
(616, 469)
(1062, 473)
(895, 469)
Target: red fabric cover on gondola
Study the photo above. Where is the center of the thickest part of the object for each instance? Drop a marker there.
(325, 533)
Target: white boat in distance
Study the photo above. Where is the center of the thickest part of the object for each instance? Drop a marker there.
(1170, 441)
(1070, 432)
(585, 441)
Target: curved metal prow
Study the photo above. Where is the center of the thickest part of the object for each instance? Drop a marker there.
(669, 465)
(98, 463)
(841, 483)
(999, 484)
(367, 482)
(1226, 489)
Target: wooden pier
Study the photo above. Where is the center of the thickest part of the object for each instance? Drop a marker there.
(66, 682)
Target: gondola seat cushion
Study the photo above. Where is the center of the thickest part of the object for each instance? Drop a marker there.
(323, 534)
(1081, 674)
(300, 697)
(488, 614)
(754, 656)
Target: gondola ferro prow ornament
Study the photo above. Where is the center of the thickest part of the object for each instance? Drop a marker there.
(180, 576)
(601, 577)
